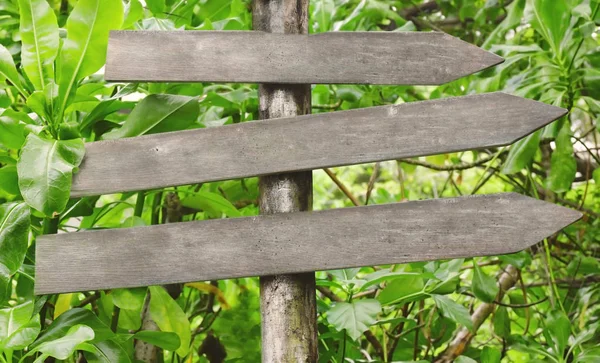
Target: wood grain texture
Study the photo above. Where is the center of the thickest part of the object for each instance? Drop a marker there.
(410, 58)
(295, 242)
(308, 142)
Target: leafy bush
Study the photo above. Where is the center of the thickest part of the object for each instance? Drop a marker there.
(538, 305)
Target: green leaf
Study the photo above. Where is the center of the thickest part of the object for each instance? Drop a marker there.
(12, 132)
(65, 346)
(464, 359)
(212, 203)
(9, 180)
(558, 327)
(169, 317)
(158, 113)
(520, 259)
(521, 153)
(551, 20)
(107, 351)
(484, 287)
(45, 170)
(501, 322)
(8, 70)
(71, 318)
(454, 311)
(490, 355)
(380, 276)
(165, 340)
(157, 7)
(133, 12)
(354, 317)
(405, 288)
(39, 39)
(129, 299)
(18, 326)
(14, 235)
(563, 166)
(596, 175)
(84, 49)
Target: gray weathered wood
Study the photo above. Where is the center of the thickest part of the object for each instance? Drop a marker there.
(253, 56)
(295, 242)
(288, 303)
(308, 142)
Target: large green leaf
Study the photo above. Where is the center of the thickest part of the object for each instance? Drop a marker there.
(84, 50)
(158, 113)
(129, 299)
(484, 287)
(380, 276)
(490, 355)
(45, 172)
(71, 318)
(563, 166)
(165, 340)
(18, 326)
(551, 20)
(521, 153)
(212, 203)
(39, 39)
(355, 317)
(558, 330)
(169, 317)
(9, 180)
(65, 346)
(8, 70)
(134, 11)
(12, 132)
(404, 288)
(107, 351)
(453, 310)
(14, 234)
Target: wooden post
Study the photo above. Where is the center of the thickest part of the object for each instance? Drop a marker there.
(288, 302)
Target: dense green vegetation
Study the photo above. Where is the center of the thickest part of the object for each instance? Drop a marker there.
(53, 99)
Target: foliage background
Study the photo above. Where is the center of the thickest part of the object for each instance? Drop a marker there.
(53, 96)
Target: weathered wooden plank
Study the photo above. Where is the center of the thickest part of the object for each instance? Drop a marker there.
(295, 242)
(252, 56)
(308, 142)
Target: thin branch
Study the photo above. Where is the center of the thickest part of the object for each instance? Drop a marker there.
(461, 166)
(342, 187)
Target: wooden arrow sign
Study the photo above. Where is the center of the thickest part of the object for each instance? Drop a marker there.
(250, 56)
(308, 142)
(295, 242)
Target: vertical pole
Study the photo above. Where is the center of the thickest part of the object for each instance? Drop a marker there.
(288, 302)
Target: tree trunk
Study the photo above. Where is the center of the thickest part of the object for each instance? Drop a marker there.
(288, 303)
(144, 351)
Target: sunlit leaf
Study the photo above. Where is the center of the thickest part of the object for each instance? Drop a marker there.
(18, 326)
(212, 203)
(45, 170)
(165, 340)
(158, 113)
(169, 317)
(84, 49)
(65, 346)
(8, 70)
(39, 37)
(14, 235)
